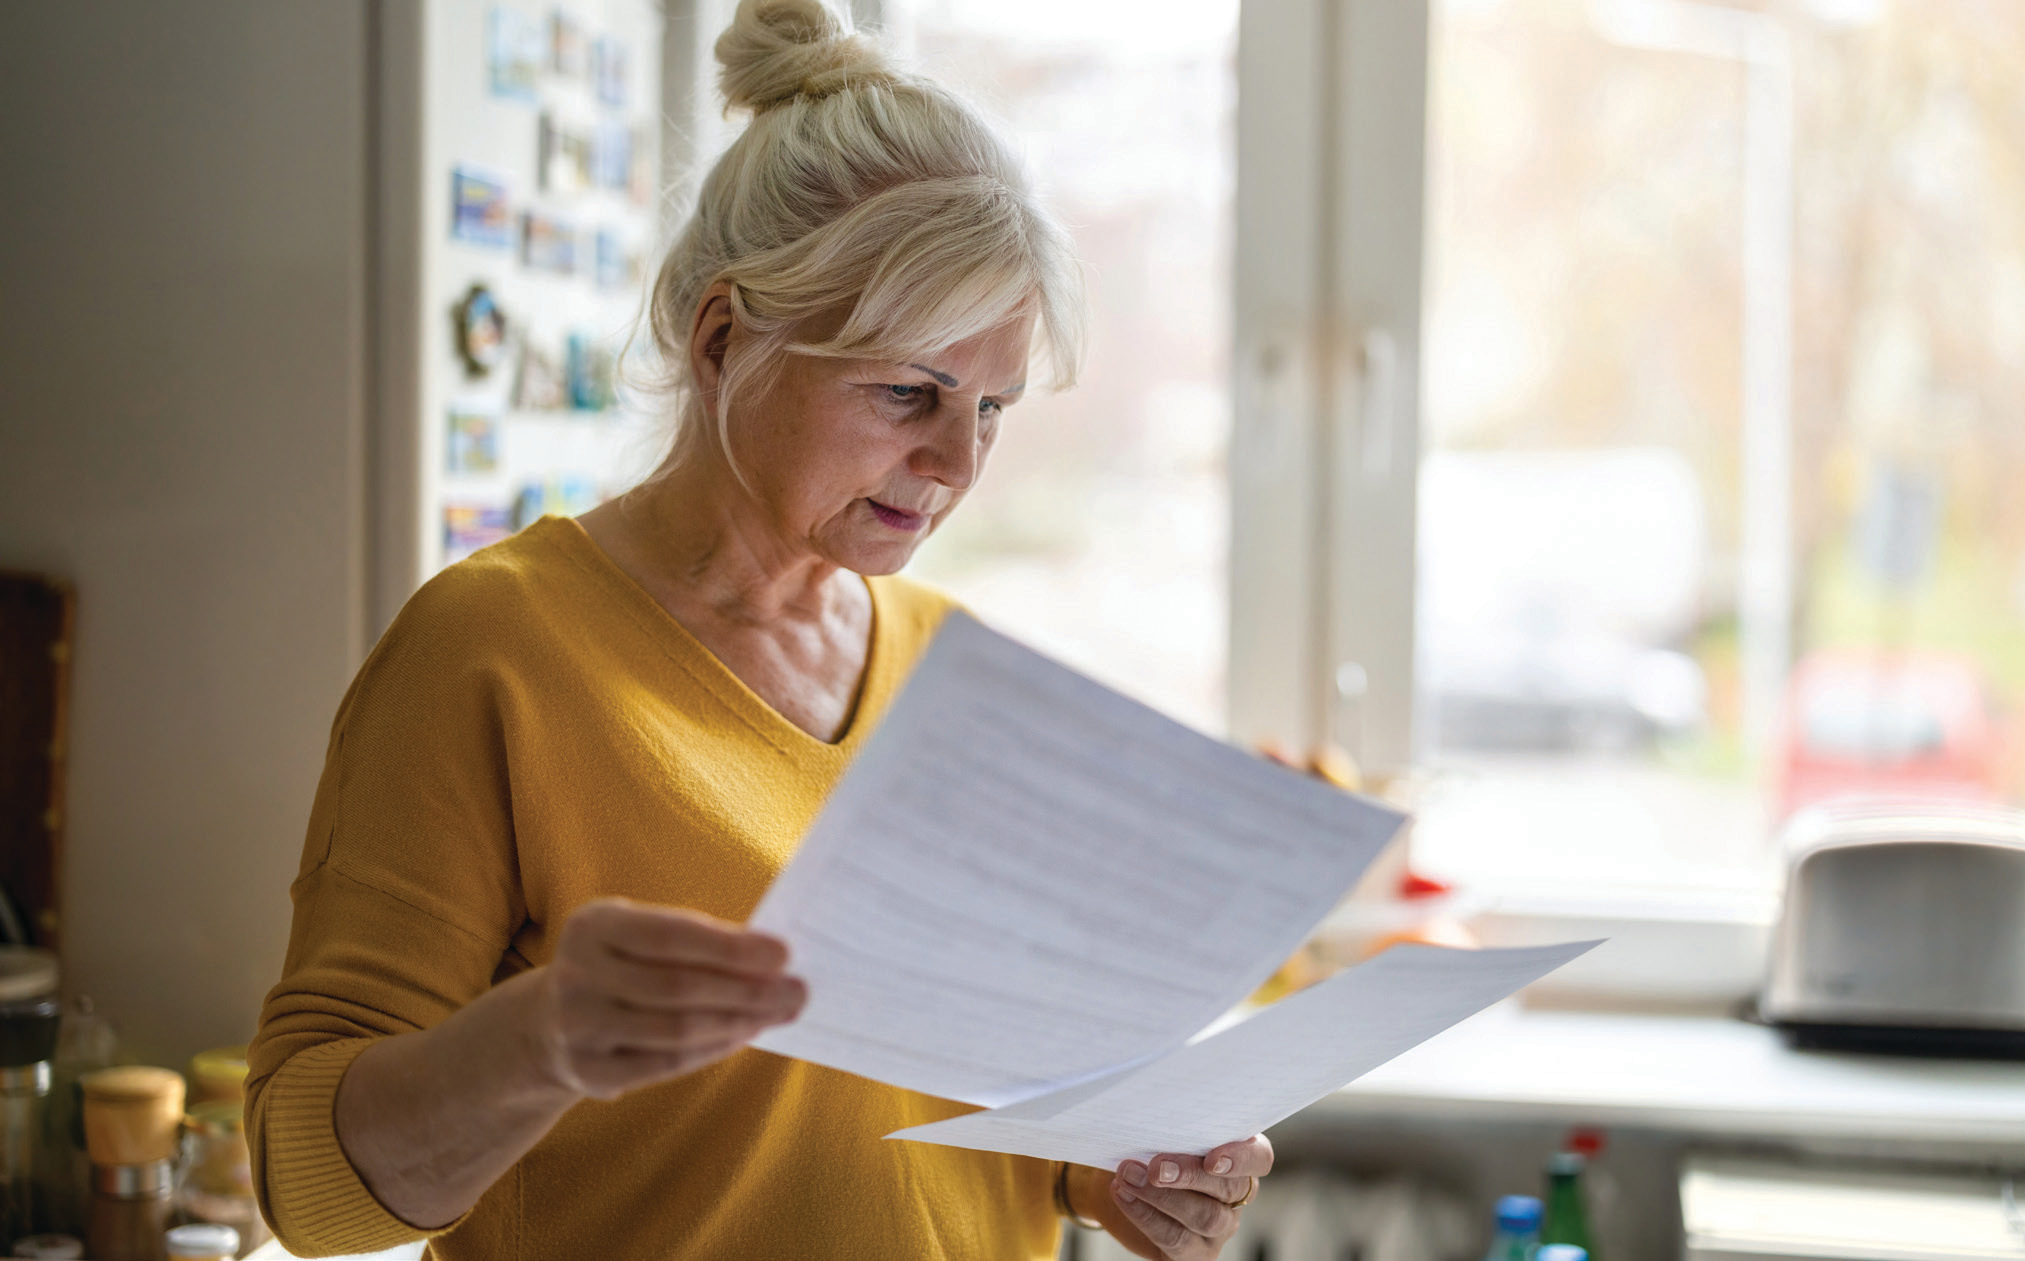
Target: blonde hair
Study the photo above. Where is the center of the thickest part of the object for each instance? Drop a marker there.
(855, 188)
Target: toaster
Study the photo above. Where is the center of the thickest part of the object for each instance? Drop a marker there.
(1902, 930)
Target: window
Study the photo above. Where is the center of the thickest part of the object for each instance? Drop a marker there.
(1626, 397)
(1704, 321)
(1098, 532)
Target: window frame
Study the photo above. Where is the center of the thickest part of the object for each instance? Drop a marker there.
(1325, 441)
(1325, 454)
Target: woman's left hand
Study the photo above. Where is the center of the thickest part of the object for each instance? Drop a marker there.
(1186, 1207)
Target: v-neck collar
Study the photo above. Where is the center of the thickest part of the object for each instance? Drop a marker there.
(702, 665)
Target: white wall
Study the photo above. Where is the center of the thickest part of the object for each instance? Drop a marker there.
(183, 232)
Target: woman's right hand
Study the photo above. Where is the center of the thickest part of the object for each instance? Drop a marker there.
(637, 994)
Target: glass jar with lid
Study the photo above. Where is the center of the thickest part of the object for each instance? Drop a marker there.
(30, 1015)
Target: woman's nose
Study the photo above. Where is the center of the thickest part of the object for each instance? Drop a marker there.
(952, 453)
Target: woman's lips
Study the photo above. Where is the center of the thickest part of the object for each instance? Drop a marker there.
(898, 519)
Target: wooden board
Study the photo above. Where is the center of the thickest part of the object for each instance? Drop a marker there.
(37, 618)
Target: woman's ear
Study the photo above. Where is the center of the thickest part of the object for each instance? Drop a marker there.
(709, 335)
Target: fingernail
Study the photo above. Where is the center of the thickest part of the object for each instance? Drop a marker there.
(1221, 1166)
(1135, 1173)
(1125, 1195)
(1169, 1171)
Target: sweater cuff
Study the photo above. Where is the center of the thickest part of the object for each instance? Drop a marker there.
(318, 1200)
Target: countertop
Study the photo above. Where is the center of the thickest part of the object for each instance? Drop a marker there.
(1703, 1075)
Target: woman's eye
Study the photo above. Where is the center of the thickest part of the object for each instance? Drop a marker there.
(987, 408)
(906, 393)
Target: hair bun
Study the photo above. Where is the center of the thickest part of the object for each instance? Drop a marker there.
(776, 50)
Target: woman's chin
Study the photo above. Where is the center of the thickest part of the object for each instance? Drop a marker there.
(876, 557)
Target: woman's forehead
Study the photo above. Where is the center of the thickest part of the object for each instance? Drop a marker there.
(994, 361)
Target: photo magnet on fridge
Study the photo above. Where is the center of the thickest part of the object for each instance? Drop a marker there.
(614, 265)
(569, 52)
(565, 156)
(589, 369)
(548, 243)
(608, 68)
(612, 156)
(538, 385)
(565, 494)
(513, 54)
(480, 329)
(472, 443)
(468, 527)
(480, 208)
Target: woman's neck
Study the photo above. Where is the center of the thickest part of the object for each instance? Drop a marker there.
(706, 547)
(792, 626)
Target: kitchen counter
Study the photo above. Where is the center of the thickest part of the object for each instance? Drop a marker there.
(1692, 1075)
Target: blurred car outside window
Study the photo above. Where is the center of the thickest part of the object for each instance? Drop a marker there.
(1587, 540)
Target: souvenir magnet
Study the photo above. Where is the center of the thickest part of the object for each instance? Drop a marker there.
(608, 67)
(480, 210)
(468, 527)
(481, 331)
(472, 445)
(538, 386)
(568, 50)
(548, 243)
(513, 53)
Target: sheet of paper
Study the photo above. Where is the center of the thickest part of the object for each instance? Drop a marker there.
(1027, 881)
(1239, 1081)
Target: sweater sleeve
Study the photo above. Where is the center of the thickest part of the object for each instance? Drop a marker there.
(406, 904)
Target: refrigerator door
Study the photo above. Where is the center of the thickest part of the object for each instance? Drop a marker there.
(520, 222)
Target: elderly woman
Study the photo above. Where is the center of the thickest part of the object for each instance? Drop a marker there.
(515, 1006)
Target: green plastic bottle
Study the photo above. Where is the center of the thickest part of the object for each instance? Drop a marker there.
(1567, 1219)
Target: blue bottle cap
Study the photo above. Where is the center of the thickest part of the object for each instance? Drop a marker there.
(1519, 1213)
(1561, 1252)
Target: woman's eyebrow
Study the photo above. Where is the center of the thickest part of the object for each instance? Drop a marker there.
(948, 382)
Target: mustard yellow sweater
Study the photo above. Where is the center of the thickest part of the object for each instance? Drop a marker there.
(533, 732)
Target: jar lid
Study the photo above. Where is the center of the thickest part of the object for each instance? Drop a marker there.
(223, 1065)
(26, 972)
(50, 1247)
(133, 1082)
(218, 1116)
(202, 1240)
